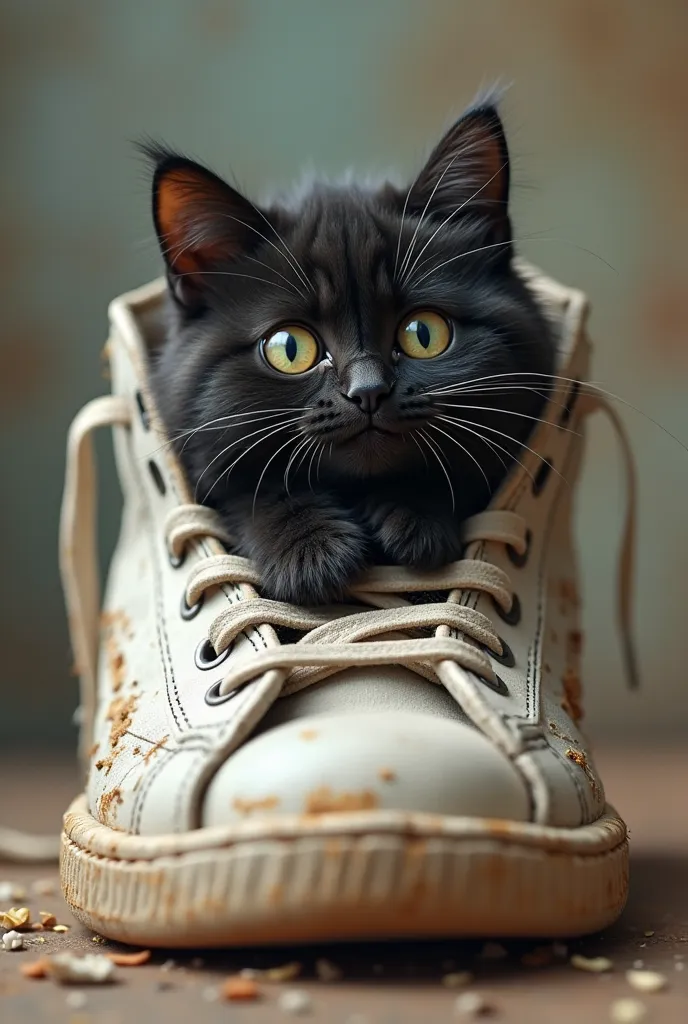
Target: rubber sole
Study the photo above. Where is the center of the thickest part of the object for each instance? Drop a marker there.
(332, 877)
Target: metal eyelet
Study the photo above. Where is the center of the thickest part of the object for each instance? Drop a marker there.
(214, 697)
(158, 480)
(506, 658)
(513, 616)
(498, 686)
(205, 656)
(570, 403)
(176, 561)
(514, 557)
(190, 611)
(143, 412)
(541, 477)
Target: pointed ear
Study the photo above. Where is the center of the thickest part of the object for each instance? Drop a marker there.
(200, 222)
(468, 168)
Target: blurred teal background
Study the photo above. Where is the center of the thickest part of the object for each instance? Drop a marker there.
(596, 116)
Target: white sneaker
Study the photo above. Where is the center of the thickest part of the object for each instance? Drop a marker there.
(430, 781)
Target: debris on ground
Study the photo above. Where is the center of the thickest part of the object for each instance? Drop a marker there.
(12, 941)
(42, 887)
(60, 928)
(92, 969)
(594, 964)
(35, 969)
(75, 1000)
(48, 919)
(240, 990)
(646, 981)
(627, 1011)
(457, 979)
(472, 1004)
(11, 891)
(286, 972)
(130, 959)
(327, 971)
(648, 934)
(295, 1001)
(15, 917)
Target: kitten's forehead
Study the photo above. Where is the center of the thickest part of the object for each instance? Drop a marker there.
(346, 244)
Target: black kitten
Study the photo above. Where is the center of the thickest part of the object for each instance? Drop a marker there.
(314, 351)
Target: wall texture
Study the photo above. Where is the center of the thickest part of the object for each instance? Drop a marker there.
(596, 115)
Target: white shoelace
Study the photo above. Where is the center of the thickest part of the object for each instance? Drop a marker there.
(334, 637)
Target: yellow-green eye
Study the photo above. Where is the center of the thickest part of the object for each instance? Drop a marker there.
(291, 350)
(424, 335)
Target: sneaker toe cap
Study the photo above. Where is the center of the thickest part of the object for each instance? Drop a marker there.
(402, 761)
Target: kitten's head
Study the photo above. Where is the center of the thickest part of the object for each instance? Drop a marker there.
(334, 326)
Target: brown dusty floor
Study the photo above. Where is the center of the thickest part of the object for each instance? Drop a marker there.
(387, 983)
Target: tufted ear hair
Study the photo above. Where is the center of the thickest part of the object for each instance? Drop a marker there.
(200, 221)
(468, 169)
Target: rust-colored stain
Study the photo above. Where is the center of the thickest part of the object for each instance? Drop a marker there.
(120, 715)
(116, 663)
(572, 702)
(325, 800)
(266, 803)
(568, 596)
(93, 750)
(155, 748)
(580, 759)
(574, 642)
(136, 750)
(308, 734)
(556, 731)
(117, 619)
(387, 775)
(107, 762)
(109, 803)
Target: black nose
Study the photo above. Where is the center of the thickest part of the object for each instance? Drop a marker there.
(368, 396)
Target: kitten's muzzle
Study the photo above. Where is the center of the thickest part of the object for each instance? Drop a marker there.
(367, 382)
(368, 396)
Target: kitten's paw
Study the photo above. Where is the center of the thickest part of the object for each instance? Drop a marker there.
(315, 559)
(408, 537)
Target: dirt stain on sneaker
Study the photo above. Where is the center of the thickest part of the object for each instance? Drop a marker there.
(120, 716)
(266, 803)
(109, 803)
(154, 749)
(107, 762)
(580, 759)
(326, 801)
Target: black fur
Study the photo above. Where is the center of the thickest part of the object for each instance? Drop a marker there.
(360, 494)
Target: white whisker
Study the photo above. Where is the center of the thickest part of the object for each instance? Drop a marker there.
(465, 450)
(265, 469)
(429, 442)
(239, 440)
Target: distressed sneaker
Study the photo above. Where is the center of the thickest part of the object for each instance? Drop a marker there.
(408, 765)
